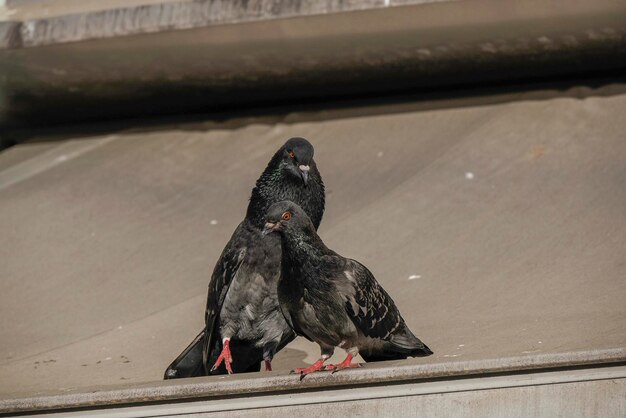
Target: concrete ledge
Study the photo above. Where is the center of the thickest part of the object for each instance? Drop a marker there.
(181, 57)
(583, 392)
(49, 23)
(372, 375)
(172, 15)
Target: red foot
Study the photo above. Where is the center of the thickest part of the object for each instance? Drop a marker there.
(315, 367)
(268, 365)
(226, 357)
(346, 364)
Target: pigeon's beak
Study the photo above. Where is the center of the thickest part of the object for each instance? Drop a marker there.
(270, 227)
(304, 173)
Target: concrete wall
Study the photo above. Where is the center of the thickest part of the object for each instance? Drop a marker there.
(181, 57)
(587, 392)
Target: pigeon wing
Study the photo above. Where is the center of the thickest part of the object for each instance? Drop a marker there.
(225, 271)
(369, 306)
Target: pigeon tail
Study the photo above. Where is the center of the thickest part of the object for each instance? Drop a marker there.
(189, 362)
(408, 344)
(393, 352)
(421, 352)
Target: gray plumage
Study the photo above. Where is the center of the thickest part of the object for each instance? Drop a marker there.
(242, 302)
(332, 300)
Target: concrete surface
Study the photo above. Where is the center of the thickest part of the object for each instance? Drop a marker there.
(48, 22)
(591, 390)
(497, 223)
(43, 9)
(71, 61)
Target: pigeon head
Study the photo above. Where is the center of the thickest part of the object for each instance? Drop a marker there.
(297, 157)
(291, 175)
(286, 218)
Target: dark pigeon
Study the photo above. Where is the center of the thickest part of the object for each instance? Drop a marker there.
(244, 325)
(335, 301)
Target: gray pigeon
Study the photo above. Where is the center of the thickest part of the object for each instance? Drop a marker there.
(332, 300)
(243, 322)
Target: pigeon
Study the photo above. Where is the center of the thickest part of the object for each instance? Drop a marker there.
(243, 322)
(332, 300)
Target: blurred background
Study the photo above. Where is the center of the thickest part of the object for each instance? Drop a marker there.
(473, 153)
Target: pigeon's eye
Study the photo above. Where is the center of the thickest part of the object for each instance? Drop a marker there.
(292, 154)
(286, 216)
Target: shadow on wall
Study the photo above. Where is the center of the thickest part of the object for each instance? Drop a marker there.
(319, 110)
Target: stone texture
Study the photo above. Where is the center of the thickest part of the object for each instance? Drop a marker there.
(108, 241)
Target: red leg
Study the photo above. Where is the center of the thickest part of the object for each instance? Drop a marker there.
(315, 367)
(225, 356)
(346, 364)
(268, 365)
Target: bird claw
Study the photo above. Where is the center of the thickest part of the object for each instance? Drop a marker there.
(315, 367)
(226, 357)
(335, 369)
(300, 373)
(346, 364)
